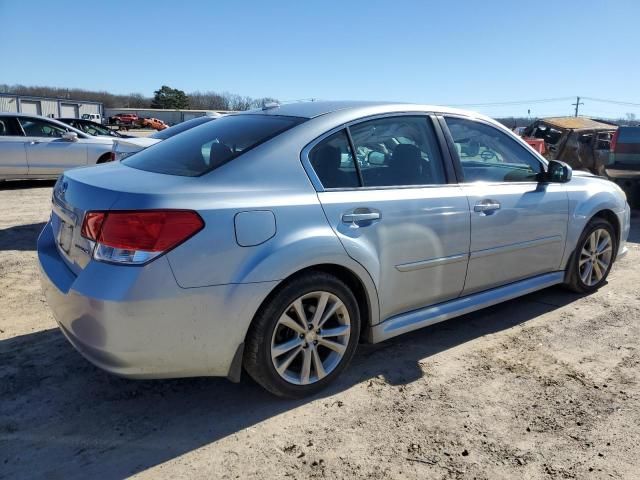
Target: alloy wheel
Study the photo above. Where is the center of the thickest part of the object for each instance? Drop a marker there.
(595, 257)
(310, 338)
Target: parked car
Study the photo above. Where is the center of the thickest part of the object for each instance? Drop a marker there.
(124, 119)
(92, 128)
(92, 117)
(124, 148)
(581, 142)
(37, 147)
(277, 239)
(154, 123)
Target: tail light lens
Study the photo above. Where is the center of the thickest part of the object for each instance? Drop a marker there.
(136, 237)
(614, 141)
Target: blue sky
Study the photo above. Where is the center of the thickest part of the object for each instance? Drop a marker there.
(447, 52)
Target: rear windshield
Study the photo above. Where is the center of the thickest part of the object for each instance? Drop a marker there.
(629, 135)
(204, 148)
(181, 127)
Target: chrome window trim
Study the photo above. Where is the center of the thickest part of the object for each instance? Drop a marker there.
(317, 184)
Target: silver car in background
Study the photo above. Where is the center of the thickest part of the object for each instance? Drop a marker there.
(275, 240)
(37, 147)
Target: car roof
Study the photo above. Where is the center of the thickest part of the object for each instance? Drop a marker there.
(52, 120)
(312, 109)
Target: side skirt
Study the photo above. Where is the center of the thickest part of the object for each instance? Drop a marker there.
(424, 317)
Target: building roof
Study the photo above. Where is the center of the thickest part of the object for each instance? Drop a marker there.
(578, 123)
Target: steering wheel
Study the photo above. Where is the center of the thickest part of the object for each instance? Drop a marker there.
(488, 154)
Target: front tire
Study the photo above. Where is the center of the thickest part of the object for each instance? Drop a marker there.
(592, 260)
(304, 336)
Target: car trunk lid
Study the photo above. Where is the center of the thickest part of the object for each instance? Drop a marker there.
(99, 188)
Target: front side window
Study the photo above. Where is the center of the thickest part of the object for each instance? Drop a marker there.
(333, 162)
(489, 155)
(34, 127)
(205, 148)
(398, 151)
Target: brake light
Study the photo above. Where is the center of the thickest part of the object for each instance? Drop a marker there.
(614, 141)
(136, 237)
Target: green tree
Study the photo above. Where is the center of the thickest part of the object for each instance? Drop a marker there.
(168, 97)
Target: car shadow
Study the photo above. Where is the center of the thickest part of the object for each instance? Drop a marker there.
(26, 184)
(20, 237)
(77, 421)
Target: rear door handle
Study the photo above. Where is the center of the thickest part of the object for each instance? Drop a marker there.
(362, 217)
(486, 206)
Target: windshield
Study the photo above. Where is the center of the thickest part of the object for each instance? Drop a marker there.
(181, 127)
(206, 147)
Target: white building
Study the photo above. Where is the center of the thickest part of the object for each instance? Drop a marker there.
(48, 106)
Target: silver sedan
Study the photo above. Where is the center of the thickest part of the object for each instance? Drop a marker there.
(276, 240)
(37, 147)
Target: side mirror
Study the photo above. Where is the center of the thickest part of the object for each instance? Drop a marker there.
(70, 136)
(558, 172)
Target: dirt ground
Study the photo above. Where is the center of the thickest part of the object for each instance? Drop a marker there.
(546, 386)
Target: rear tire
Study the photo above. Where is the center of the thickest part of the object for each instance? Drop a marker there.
(593, 257)
(304, 336)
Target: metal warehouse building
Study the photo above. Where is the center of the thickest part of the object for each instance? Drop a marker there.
(47, 106)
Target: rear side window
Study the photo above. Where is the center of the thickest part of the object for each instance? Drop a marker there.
(333, 163)
(9, 127)
(204, 148)
(398, 151)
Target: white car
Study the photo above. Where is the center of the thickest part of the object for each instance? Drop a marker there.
(37, 147)
(123, 147)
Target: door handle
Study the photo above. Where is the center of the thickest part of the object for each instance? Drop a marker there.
(360, 217)
(486, 206)
(34, 142)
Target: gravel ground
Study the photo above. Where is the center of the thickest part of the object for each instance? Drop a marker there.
(545, 386)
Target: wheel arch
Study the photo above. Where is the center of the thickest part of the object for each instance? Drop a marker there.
(104, 158)
(361, 286)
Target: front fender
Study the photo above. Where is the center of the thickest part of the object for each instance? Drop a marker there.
(587, 197)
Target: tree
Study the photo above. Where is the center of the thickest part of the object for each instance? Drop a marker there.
(171, 98)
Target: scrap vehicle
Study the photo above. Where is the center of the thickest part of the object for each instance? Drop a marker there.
(581, 142)
(597, 146)
(124, 120)
(154, 123)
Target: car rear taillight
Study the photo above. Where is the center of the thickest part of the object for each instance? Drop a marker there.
(614, 141)
(136, 237)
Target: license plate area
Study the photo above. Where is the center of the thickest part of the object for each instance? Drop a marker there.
(65, 236)
(64, 228)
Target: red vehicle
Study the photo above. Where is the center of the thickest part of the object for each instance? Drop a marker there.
(124, 118)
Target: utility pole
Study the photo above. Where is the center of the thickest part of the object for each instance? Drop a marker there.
(577, 104)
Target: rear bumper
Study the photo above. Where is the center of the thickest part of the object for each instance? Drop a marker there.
(137, 322)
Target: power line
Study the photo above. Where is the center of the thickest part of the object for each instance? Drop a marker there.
(616, 102)
(515, 102)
